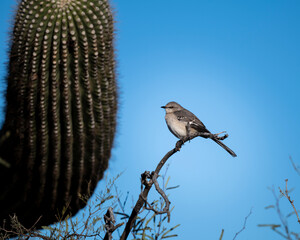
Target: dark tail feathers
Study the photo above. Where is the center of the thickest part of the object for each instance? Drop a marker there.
(225, 147)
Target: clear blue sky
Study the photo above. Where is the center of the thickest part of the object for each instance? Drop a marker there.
(235, 64)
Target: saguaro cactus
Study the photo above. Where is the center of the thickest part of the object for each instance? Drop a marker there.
(61, 107)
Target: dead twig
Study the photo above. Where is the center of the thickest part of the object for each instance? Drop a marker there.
(244, 226)
(283, 220)
(146, 186)
(286, 194)
(297, 168)
(221, 236)
(149, 179)
(153, 179)
(110, 222)
(222, 137)
(274, 228)
(20, 231)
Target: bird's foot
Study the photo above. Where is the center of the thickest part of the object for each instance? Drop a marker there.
(179, 144)
(187, 138)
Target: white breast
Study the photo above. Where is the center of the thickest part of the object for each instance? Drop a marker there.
(178, 128)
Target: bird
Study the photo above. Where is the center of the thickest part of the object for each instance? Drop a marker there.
(185, 125)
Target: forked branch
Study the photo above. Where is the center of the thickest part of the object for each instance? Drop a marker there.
(286, 194)
(110, 222)
(148, 179)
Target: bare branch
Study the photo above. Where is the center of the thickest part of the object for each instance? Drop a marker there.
(147, 186)
(286, 194)
(297, 168)
(282, 219)
(244, 226)
(110, 227)
(19, 230)
(161, 192)
(274, 228)
(222, 137)
(221, 236)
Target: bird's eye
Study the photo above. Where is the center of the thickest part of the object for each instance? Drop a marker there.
(171, 107)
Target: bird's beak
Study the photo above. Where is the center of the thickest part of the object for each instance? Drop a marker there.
(163, 106)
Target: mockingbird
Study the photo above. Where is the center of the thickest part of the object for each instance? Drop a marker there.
(185, 125)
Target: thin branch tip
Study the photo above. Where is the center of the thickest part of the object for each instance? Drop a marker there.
(288, 197)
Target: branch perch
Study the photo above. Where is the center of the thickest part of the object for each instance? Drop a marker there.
(148, 180)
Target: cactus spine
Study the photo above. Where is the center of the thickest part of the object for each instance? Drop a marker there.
(61, 106)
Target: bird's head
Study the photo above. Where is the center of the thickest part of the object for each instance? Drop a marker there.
(172, 107)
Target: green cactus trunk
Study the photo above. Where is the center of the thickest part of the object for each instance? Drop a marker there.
(61, 107)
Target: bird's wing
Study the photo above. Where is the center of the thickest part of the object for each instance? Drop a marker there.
(188, 117)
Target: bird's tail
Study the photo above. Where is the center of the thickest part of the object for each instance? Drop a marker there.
(225, 147)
